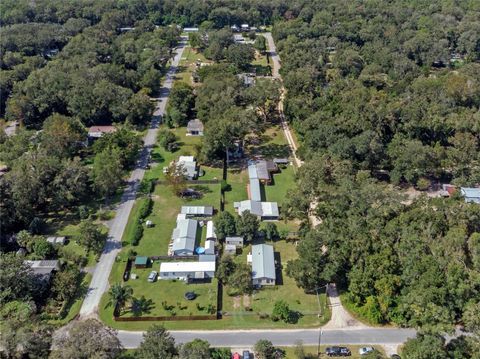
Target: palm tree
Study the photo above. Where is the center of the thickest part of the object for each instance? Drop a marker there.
(119, 296)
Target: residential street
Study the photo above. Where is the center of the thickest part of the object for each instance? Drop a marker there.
(247, 338)
(99, 283)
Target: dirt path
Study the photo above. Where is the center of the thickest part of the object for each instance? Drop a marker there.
(341, 319)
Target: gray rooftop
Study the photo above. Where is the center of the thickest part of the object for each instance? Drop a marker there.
(195, 125)
(254, 207)
(263, 262)
(184, 235)
(255, 192)
(197, 210)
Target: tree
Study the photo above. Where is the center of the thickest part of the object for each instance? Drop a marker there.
(220, 353)
(107, 171)
(119, 295)
(88, 339)
(224, 225)
(264, 349)
(90, 236)
(240, 281)
(281, 311)
(226, 268)
(196, 349)
(425, 346)
(62, 135)
(260, 44)
(65, 283)
(182, 101)
(141, 305)
(271, 231)
(247, 226)
(167, 140)
(43, 249)
(241, 55)
(16, 279)
(265, 95)
(175, 177)
(157, 343)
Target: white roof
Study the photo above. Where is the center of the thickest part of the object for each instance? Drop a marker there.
(230, 247)
(263, 262)
(254, 207)
(186, 159)
(185, 267)
(197, 210)
(211, 230)
(270, 209)
(181, 216)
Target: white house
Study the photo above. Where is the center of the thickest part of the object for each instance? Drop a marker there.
(187, 270)
(236, 241)
(263, 265)
(211, 231)
(472, 195)
(197, 211)
(189, 165)
(184, 237)
(263, 210)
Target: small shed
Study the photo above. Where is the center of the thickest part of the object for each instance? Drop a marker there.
(236, 241)
(281, 161)
(211, 231)
(56, 240)
(195, 128)
(141, 262)
(230, 249)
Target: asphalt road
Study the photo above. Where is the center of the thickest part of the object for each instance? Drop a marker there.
(99, 283)
(247, 338)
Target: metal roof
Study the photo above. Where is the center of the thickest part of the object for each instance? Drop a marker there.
(141, 260)
(197, 210)
(255, 192)
(253, 206)
(184, 235)
(211, 230)
(195, 125)
(263, 262)
(270, 209)
(187, 267)
(471, 194)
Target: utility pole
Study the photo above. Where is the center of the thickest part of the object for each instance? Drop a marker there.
(319, 316)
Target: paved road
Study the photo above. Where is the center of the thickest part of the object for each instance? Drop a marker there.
(99, 283)
(246, 338)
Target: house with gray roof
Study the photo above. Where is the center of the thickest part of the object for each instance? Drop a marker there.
(43, 269)
(263, 210)
(263, 265)
(197, 211)
(189, 165)
(184, 237)
(471, 195)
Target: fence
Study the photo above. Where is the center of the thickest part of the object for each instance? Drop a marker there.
(192, 182)
(165, 318)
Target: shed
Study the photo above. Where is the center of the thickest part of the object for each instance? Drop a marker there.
(281, 161)
(195, 128)
(99, 131)
(263, 265)
(236, 241)
(209, 247)
(141, 262)
(56, 240)
(230, 249)
(197, 211)
(211, 231)
(471, 195)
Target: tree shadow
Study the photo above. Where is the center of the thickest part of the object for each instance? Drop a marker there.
(157, 157)
(272, 150)
(278, 268)
(141, 306)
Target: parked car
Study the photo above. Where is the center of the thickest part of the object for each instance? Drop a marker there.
(338, 351)
(246, 354)
(365, 350)
(236, 356)
(152, 277)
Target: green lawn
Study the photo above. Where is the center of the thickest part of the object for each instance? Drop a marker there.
(311, 351)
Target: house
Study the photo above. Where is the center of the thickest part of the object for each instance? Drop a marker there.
(189, 165)
(43, 269)
(281, 161)
(236, 241)
(263, 210)
(187, 271)
(245, 27)
(230, 249)
(56, 240)
(190, 29)
(95, 132)
(248, 80)
(254, 190)
(263, 265)
(197, 211)
(209, 246)
(211, 231)
(195, 128)
(184, 237)
(472, 195)
(262, 170)
(238, 38)
(141, 262)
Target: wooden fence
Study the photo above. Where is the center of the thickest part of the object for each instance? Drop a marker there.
(193, 182)
(165, 318)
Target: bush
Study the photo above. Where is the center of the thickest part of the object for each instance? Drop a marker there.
(83, 212)
(36, 226)
(220, 353)
(147, 186)
(145, 209)
(225, 187)
(167, 140)
(137, 235)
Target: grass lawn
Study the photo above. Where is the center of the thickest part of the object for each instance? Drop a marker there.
(311, 351)
(187, 64)
(263, 300)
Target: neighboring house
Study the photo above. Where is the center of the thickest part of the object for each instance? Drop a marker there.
(211, 231)
(190, 29)
(255, 190)
(189, 165)
(95, 132)
(262, 170)
(263, 265)
(56, 240)
(187, 271)
(184, 237)
(209, 246)
(43, 269)
(245, 27)
(472, 195)
(197, 211)
(236, 241)
(263, 210)
(195, 128)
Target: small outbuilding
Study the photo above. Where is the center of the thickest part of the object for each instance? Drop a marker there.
(195, 128)
(237, 241)
(209, 247)
(141, 262)
(197, 211)
(230, 249)
(211, 231)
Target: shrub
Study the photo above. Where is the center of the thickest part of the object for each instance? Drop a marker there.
(225, 187)
(145, 209)
(83, 212)
(137, 235)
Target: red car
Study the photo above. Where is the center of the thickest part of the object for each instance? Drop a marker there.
(236, 356)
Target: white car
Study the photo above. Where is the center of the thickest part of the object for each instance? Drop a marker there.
(365, 350)
(152, 276)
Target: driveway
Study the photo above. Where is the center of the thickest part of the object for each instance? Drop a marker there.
(99, 283)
